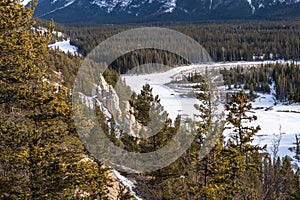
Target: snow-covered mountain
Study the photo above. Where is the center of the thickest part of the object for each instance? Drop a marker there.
(120, 11)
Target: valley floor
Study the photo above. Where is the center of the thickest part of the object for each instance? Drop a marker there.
(273, 118)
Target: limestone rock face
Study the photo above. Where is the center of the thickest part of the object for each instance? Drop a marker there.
(125, 121)
(113, 191)
(130, 125)
(110, 99)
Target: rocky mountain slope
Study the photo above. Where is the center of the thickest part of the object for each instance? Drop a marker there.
(125, 11)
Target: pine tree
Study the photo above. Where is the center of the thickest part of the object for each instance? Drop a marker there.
(142, 105)
(41, 155)
(239, 151)
(205, 151)
(289, 180)
(156, 128)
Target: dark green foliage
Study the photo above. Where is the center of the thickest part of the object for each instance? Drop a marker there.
(241, 154)
(255, 79)
(62, 68)
(44, 158)
(285, 76)
(241, 136)
(235, 169)
(41, 156)
(142, 104)
(194, 78)
(223, 41)
(149, 113)
(133, 62)
(287, 80)
(279, 180)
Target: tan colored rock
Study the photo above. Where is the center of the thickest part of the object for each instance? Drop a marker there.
(113, 191)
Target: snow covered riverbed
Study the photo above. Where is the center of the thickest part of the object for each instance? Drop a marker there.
(274, 119)
(170, 99)
(271, 118)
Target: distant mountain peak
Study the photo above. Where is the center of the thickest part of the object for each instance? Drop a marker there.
(124, 11)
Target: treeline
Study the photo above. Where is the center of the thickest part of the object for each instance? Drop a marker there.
(243, 40)
(224, 41)
(256, 78)
(62, 68)
(140, 61)
(286, 79)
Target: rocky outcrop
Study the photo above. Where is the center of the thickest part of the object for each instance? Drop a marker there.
(110, 99)
(124, 119)
(114, 190)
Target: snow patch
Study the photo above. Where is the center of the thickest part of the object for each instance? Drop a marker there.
(69, 2)
(25, 2)
(126, 3)
(65, 46)
(110, 5)
(170, 6)
(252, 7)
(170, 98)
(288, 2)
(274, 119)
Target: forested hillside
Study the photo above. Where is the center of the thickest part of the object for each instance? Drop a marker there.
(42, 157)
(228, 41)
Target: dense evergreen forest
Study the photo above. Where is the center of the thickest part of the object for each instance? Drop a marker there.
(42, 157)
(226, 41)
(284, 78)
